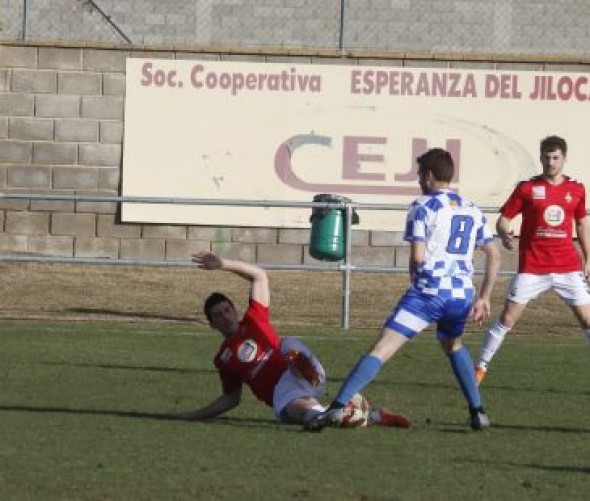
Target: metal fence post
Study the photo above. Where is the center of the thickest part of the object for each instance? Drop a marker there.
(346, 269)
(25, 11)
(341, 33)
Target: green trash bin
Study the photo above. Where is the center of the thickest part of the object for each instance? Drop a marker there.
(328, 229)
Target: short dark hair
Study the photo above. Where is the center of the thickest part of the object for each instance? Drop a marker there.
(553, 143)
(439, 162)
(213, 300)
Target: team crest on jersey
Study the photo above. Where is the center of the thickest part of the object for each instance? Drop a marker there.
(538, 192)
(247, 351)
(568, 198)
(554, 215)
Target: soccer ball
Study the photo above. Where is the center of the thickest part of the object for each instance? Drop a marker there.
(355, 414)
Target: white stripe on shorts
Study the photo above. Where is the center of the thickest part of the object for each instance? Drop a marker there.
(411, 321)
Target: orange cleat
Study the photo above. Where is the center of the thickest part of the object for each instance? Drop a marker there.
(480, 373)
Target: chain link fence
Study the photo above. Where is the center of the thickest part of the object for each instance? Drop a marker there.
(518, 27)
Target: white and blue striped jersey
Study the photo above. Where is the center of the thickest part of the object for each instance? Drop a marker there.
(451, 228)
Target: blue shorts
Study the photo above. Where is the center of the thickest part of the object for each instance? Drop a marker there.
(415, 311)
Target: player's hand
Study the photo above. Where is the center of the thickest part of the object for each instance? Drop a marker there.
(206, 260)
(480, 311)
(508, 240)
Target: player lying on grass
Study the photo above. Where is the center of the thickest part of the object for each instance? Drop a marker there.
(282, 372)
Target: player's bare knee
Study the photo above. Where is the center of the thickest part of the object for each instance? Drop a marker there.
(449, 345)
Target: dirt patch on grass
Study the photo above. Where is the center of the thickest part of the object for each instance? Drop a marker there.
(176, 293)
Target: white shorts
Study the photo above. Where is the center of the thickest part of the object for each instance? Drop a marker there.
(290, 387)
(571, 287)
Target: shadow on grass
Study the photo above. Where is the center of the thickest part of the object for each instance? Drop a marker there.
(529, 389)
(223, 420)
(451, 385)
(180, 370)
(558, 429)
(516, 427)
(561, 468)
(131, 314)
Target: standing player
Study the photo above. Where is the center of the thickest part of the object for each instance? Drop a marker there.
(282, 372)
(547, 259)
(443, 229)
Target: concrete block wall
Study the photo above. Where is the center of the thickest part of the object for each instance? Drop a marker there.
(61, 132)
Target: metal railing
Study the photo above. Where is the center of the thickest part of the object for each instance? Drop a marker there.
(346, 266)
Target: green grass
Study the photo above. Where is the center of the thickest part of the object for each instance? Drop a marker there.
(86, 412)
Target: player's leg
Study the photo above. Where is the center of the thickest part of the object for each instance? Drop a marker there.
(573, 289)
(523, 288)
(449, 333)
(363, 373)
(301, 410)
(302, 361)
(495, 335)
(367, 368)
(582, 313)
(408, 318)
(295, 400)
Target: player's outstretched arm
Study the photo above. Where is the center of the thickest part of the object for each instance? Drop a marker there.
(482, 306)
(221, 405)
(255, 275)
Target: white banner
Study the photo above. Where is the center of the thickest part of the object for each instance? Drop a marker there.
(256, 131)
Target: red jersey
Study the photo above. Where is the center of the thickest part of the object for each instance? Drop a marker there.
(253, 356)
(548, 214)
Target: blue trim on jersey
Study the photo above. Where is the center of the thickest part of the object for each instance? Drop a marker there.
(434, 204)
(454, 197)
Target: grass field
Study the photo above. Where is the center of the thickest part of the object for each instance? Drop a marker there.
(87, 412)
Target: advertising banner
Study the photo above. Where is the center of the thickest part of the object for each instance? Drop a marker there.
(286, 132)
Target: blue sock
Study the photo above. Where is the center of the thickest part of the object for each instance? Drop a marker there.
(363, 373)
(462, 365)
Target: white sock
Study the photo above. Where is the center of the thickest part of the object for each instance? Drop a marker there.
(374, 417)
(491, 343)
